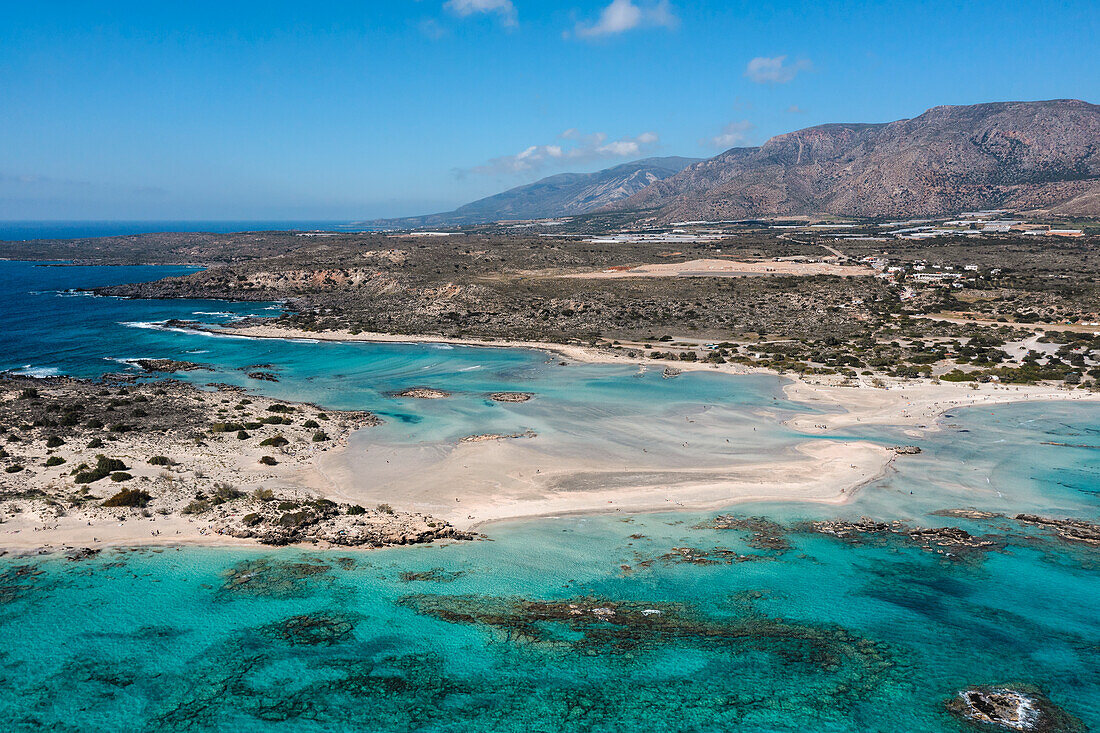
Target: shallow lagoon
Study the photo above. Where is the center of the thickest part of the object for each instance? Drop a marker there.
(822, 635)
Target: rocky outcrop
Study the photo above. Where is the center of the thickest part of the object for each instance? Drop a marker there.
(285, 523)
(1072, 530)
(169, 365)
(1012, 709)
(510, 396)
(423, 393)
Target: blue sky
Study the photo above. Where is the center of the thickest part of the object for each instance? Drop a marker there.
(352, 110)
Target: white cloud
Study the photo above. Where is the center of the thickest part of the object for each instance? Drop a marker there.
(764, 70)
(573, 147)
(466, 8)
(624, 15)
(794, 109)
(732, 135)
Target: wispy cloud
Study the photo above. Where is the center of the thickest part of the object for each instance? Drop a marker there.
(572, 146)
(626, 15)
(465, 8)
(764, 70)
(732, 135)
(794, 109)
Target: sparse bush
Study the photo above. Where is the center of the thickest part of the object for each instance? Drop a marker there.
(129, 497)
(30, 393)
(385, 508)
(263, 494)
(104, 467)
(226, 492)
(198, 506)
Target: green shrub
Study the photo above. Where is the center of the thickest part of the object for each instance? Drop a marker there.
(104, 467)
(95, 443)
(94, 424)
(355, 510)
(226, 427)
(251, 520)
(311, 424)
(54, 442)
(320, 436)
(54, 461)
(268, 461)
(30, 393)
(129, 497)
(277, 407)
(120, 476)
(14, 468)
(275, 441)
(225, 492)
(160, 461)
(198, 506)
(242, 435)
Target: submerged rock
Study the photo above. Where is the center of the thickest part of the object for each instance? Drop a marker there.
(498, 436)
(906, 450)
(313, 629)
(764, 533)
(435, 575)
(263, 376)
(1012, 709)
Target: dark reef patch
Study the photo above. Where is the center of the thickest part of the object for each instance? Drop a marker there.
(269, 578)
(763, 533)
(313, 629)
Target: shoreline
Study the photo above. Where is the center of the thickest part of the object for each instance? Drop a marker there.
(822, 472)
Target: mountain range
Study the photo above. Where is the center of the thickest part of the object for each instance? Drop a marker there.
(1015, 155)
(564, 194)
(1041, 156)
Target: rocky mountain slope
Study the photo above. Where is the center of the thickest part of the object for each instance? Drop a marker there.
(1019, 155)
(561, 195)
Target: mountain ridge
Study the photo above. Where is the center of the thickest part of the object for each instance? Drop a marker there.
(1021, 155)
(562, 194)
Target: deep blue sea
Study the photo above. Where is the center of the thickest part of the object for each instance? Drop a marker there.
(567, 624)
(23, 230)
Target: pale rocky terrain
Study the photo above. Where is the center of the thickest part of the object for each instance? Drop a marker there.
(124, 463)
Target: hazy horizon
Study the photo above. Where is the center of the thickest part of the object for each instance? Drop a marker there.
(352, 112)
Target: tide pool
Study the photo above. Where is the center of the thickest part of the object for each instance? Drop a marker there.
(656, 622)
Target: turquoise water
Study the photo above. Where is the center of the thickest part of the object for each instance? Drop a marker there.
(803, 633)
